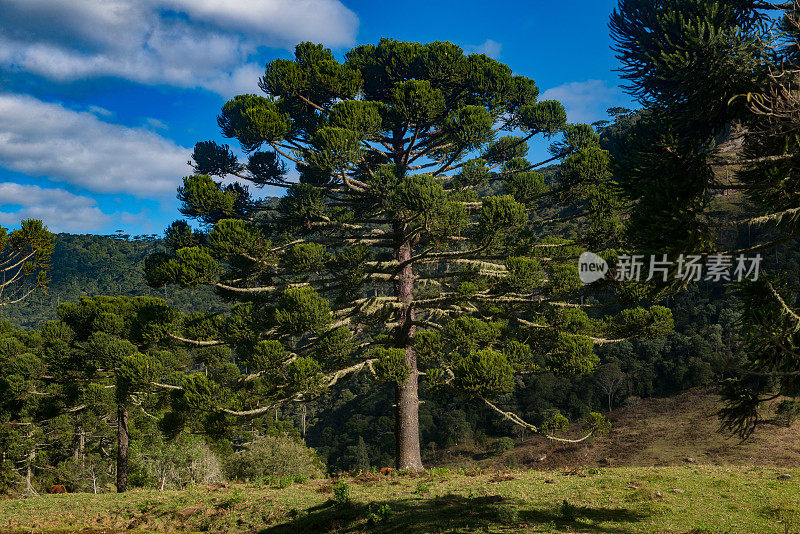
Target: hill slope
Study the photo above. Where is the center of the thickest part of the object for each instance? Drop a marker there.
(670, 431)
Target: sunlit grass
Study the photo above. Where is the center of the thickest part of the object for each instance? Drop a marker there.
(665, 499)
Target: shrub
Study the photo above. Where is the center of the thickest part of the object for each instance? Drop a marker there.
(273, 457)
(341, 492)
(378, 516)
(502, 445)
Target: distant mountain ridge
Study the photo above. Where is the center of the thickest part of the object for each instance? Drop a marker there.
(87, 265)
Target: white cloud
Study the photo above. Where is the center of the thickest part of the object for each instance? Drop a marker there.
(489, 47)
(186, 43)
(100, 112)
(45, 139)
(156, 124)
(586, 102)
(243, 79)
(60, 210)
(277, 21)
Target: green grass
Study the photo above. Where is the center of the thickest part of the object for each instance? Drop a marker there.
(615, 500)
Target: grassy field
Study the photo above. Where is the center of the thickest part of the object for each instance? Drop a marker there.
(687, 499)
(663, 468)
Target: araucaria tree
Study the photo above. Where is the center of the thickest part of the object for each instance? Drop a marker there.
(104, 345)
(409, 241)
(24, 260)
(719, 82)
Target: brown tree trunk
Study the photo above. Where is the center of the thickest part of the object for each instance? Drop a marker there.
(407, 448)
(122, 449)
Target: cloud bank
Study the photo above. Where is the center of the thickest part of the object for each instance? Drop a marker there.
(60, 210)
(46, 139)
(184, 43)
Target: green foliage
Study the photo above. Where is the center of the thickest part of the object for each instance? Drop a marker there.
(334, 347)
(654, 322)
(500, 216)
(304, 258)
(266, 355)
(415, 208)
(484, 372)
(547, 117)
(273, 456)
(303, 373)
(501, 445)
(25, 254)
(341, 493)
(423, 487)
(525, 273)
(468, 334)
(572, 355)
(252, 120)
(391, 365)
(556, 422)
(301, 310)
(666, 48)
(382, 514)
(597, 423)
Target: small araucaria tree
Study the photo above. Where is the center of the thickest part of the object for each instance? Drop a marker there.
(411, 243)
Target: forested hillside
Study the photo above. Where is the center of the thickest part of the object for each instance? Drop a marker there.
(87, 265)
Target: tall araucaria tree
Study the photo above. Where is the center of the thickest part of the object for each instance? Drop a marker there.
(392, 252)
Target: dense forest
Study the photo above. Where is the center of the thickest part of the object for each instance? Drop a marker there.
(349, 427)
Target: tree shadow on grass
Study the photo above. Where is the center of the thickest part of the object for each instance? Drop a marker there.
(450, 513)
(586, 519)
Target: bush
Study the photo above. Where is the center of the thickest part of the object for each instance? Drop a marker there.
(380, 515)
(502, 445)
(341, 493)
(273, 457)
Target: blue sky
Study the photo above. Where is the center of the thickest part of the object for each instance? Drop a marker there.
(102, 100)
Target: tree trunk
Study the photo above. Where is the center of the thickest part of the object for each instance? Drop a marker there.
(94, 479)
(303, 422)
(80, 444)
(29, 474)
(122, 449)
(29, 489)
(407, 448)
